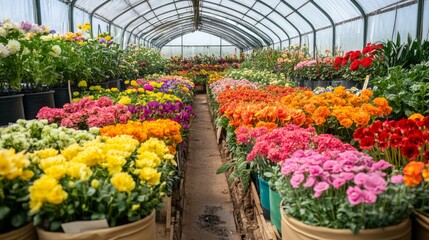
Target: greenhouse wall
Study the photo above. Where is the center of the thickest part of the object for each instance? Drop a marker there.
(18, 10)
(55, 15)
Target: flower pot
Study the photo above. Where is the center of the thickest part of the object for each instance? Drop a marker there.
(420, 226)
(26, 232)
(144, 229)
(264, 196)
(323, 83)
(309, 84)
(61, 97)
(33, 102)
(293, 229)
(346, 83)
(12, 109)
(275, 218)
(115, 84)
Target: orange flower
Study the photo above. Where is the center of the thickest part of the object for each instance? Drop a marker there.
(361, 118)
(425, 173)
(416, 116)
(412, 173)
(340, 91)
(383, 105)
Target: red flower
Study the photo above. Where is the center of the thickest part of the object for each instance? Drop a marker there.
(382, 145)
(355, 55)
(426, 156)
(416, 139)
(411, 151)
(426, 122)
(344, 61)
(384, 136)
(337, 62)
(366, 62)
(376, 126)
(359, 133)
(143, 64)
(367, 143)
(355, 65)
(395, 140)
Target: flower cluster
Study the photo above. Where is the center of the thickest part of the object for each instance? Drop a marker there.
(107, 169)
(15, 176)
(87, 113)
(165, 129)
(176, 111)
(332, 112)
(261, 77)
(229, 83)
(34, 135)
(396, 141)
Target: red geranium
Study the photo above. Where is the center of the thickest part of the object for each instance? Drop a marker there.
(367, 142)
(359, 133)
(395, 140)
(355, 55)
(366, 62)
(355, 65)
(337, 63)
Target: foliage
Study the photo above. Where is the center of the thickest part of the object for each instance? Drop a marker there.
(406, 91)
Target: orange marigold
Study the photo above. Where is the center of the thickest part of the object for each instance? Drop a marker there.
(416, 116)
(412, 173)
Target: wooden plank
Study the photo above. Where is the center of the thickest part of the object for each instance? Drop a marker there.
(168, 217)
(262, 223)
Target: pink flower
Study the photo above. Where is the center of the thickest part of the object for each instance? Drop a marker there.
(319, 188)
(397, 179)
(360, 179)
(375, 184)
(347, 176)
(368, 197)
(380, 165)
(329, 165)
(315, 170)
(296, 179)
(354, 194)
(310, 182)
(338, 182)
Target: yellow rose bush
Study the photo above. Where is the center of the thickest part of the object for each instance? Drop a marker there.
(115, 178)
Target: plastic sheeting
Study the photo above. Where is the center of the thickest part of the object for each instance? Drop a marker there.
(55, 15)
(350, 35)
(17, 10)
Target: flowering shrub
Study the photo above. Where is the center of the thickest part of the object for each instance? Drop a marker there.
(87, 113)
(15, 177)
(342, 190)
(117, 179)
(396, 141)
(35, 135)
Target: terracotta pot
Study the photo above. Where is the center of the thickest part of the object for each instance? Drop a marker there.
(144, 229)
(420, 226)
(292, 229)
(27, 232)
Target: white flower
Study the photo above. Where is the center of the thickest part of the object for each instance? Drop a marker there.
(7, 25)
(4, 51)
(25, 51)
(14, 46)
(3, 32)
(56, 51)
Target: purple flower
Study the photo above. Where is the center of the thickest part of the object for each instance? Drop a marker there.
(296, 179)
(110, 42)
(319, 188)
(375, 184)
(52, 31)
(397, 179)
(26, 25)
(354, 194)
(360, 179)
(102, 40)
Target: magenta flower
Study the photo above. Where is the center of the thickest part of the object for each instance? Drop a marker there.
(375, 184)
(338, 182)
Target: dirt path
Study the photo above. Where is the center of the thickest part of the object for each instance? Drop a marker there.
(208, 212)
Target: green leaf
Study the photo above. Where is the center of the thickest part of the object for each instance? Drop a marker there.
(18, 220)
(225, 167)
(4, 211)
(55, 226)
(91, 191)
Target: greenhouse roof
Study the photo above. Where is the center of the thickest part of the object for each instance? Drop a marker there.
(247, 24)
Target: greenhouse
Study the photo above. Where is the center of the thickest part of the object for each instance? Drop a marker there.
(214, 119)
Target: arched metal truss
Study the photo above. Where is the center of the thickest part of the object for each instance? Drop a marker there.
(247, 24)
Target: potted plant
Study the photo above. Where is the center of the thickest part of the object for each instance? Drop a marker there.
(117, 180)
(342, 195)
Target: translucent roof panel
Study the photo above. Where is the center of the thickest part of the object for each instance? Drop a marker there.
(298, 3)
(283, 9)
(315, 16)
(371, 5)
(339, 14)
(197, 38)
(300, 23)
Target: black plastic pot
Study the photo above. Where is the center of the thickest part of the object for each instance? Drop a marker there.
(12, 109)
(61, 97)
(33, 102)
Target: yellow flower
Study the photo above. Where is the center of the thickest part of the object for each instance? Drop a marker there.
(45, 153)
(153, 84)
(71, 151)
(129, 91)
(5, 163)
(71, 184)
(108, 38)
(134, 83)
(95, 183)
(123, 182)
(91, 88)
(148, 159)
(97, 88)
(135, 207)
(46, 163)
(56, 172)
(114, 89)
(140, 90)
(82, 84)
(127, 82)
(75, 100)
(45, 189)
(56, 195)
(125, 100)
(91, 97)
(76, 94)
(78, 171)
(416, 116)
(150, 175)
(27, 174)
